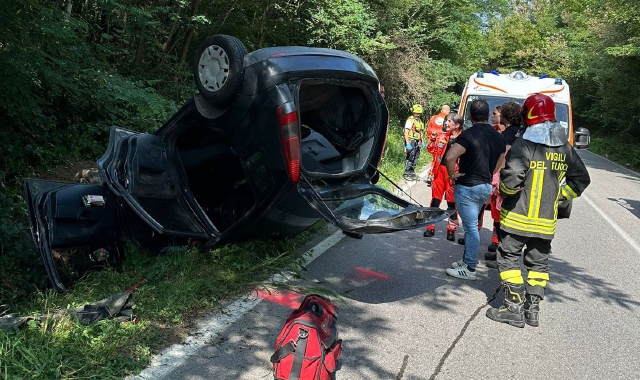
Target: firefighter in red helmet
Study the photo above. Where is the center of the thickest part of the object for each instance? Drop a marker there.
(541, 168)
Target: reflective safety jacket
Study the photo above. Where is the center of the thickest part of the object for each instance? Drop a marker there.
(534, 178)
(416, 130)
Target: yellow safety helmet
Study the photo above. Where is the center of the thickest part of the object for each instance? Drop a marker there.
(416, 108)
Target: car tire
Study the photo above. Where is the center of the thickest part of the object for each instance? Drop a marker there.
(565, 212)
(218, 67)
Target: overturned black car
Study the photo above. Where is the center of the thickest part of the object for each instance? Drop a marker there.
(274, 140)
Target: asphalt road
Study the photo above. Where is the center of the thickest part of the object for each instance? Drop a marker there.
(402, 317)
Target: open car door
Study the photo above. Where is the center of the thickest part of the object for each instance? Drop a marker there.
(366, 208)
(73, 226)
(139, 168)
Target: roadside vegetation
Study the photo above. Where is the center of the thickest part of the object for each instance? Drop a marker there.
(70, 69)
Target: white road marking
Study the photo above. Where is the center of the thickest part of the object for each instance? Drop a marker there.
(162, 364)
(208, 329)
(613, 224)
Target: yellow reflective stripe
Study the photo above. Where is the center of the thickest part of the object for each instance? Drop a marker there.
(532, 282)
(518, 222)
(521, 218)
(561, 176)
(536, 193)
(538, 275)
(527, 227)
(534, 189)
(568, 192)
(513, 276)
(506, 190)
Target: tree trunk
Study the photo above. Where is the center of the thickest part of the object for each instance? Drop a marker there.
(139, 52)
(85, 6)
(68, 7)
(172, 32)
(190, 34)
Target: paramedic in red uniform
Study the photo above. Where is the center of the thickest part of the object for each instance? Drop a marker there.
(441, 185)
(434, 129)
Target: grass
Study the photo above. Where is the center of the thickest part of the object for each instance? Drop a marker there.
(178, 287)
(618, 150)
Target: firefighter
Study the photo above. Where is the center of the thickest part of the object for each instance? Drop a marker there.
(441, 185)
(435, 127)
(531, 184)
(413, 138)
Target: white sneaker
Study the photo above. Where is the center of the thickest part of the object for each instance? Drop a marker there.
(457, 264)
(462, 272)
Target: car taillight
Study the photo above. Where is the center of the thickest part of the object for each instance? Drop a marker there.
(288, 123)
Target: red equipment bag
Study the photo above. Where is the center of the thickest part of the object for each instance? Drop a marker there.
(308, 347)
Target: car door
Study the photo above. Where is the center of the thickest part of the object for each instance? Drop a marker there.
(357, 205)
(140, 169)
(74, 226)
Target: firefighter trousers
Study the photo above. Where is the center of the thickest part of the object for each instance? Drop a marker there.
(536, 256)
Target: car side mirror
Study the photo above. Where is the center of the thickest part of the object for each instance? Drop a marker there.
(581, 138)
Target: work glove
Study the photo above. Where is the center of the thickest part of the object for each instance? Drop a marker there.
(409, 147)
(423, 145)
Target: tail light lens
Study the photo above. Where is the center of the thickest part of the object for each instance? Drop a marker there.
(289, 132)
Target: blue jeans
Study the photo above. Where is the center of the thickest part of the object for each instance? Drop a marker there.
(469, 201)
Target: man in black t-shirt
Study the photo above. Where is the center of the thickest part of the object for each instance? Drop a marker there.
(511, 116)
(481, 150)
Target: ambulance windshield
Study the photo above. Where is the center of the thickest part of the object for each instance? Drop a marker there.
(562, 110)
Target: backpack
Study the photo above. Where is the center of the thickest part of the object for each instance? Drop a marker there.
(308, 347)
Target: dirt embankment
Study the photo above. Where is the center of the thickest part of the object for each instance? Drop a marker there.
(66, 172)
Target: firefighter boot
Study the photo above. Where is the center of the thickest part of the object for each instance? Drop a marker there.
(511, 310)
(452, 226)
(431, 230)
(531, 309)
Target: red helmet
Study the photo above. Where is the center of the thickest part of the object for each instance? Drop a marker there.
(538, 108)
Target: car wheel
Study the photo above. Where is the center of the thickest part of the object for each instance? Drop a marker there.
(218, 67)
(565, 212)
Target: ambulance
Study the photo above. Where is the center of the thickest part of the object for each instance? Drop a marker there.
(498, 89)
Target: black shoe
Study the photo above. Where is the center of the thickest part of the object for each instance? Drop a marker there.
(451, 236)
(490, 256)
(355, 235)
(410, 177)
(493, 264)
(461, 241)
(429, 233)
(493, 247)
